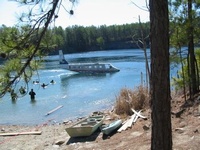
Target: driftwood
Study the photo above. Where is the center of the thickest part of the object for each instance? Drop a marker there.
(21, 133)
(50, 112)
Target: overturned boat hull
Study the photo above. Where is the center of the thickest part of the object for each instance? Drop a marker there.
(107, 129)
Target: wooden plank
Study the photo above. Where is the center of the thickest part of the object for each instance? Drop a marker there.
(130, 122)
(21, 133)
(50, 112)
(127, 124)
(138, 114)
(124, 122)
(135, 119)
(124, 127)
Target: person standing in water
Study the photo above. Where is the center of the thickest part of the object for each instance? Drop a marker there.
(32, 94)
(13, 95)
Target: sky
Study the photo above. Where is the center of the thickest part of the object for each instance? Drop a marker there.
(86, 12)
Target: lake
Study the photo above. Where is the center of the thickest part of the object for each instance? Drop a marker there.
(79, 94)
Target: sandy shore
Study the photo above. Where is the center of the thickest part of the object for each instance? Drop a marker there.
(185, 132)
(55, 137)
(186, 135)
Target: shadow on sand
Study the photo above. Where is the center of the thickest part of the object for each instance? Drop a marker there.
(104, 137)
(90, 138)
(84, 139)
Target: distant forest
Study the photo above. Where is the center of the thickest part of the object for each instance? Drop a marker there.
(75, 39)
(81, 39)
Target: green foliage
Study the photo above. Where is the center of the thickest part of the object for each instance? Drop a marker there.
(79, 39)
(179, 22)
(16, 50)
(179, 82)
(184, 31)
(100, 42)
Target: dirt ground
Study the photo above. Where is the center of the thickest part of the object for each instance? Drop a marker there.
(185, 129)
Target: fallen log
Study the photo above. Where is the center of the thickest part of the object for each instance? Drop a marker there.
(21, 133)
(50, 112)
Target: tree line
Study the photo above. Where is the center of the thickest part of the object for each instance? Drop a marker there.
(81, 39)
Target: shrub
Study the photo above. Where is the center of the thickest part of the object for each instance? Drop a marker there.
(137, 99)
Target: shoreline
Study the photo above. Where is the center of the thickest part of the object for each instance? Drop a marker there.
(185, 134)
(185, 130)
(51, 118)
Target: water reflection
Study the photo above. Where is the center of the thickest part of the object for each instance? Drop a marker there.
(33, 101)
(78, 75)
(14, 101)
(75, 78)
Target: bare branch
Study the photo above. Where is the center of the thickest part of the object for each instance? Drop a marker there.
(141, 7)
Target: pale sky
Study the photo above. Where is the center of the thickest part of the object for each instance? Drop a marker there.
(86, 12)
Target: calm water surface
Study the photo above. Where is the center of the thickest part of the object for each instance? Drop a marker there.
(80, 94)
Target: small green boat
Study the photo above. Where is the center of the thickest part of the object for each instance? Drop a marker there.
(86, 126)
(107, 129)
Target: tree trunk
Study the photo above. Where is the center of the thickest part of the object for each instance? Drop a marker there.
(144, 48)
(160, 81)
(192, 58)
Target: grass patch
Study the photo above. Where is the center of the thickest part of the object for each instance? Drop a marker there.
(137, 98)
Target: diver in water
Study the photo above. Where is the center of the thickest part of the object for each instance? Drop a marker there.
(22, 90)
(44, 85)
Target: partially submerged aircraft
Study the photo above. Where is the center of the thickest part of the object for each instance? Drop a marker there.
(86, 67)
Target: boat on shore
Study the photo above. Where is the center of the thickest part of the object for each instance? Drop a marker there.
(86, 67)
(85, 127)
(109, 128)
